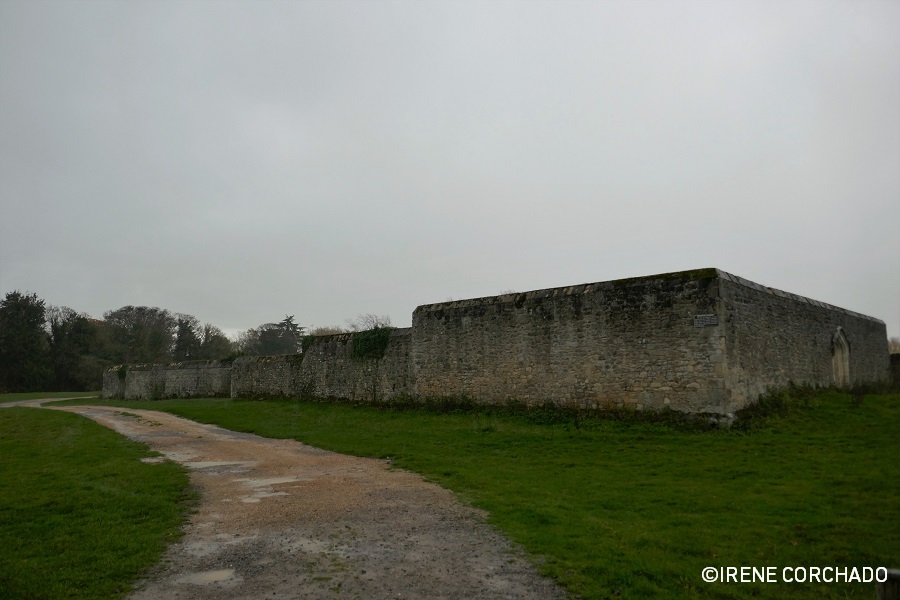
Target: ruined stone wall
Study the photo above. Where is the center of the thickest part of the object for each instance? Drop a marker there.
(623, 343)
(773, 337)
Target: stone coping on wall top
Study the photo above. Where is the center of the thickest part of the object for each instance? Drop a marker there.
(571, 290)
(187, 364)
(396, 332)
(796, 297)
(585, 288)
(226, 364)
(267, 358)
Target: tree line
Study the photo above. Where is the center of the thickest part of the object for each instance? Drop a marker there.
(55, 348)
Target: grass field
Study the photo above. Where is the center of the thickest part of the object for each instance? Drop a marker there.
(80, 515)
(36, 395)
(638, 509)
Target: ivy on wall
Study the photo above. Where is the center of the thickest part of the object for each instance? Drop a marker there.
(371, 344)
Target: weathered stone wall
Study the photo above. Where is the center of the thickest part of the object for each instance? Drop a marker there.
(198, 379)
(773, 337)
(113, 383)
(330, 371)
(623, 343)
(696, 341)
(273, 376)
(193, 379)
(895, 368)
(145, 382)
(327, 369)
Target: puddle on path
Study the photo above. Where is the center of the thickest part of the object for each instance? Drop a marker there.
(262, 488)
(206, 464)
(207, 577)
(216, 545)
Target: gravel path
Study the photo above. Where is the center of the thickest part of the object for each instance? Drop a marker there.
(280, 519)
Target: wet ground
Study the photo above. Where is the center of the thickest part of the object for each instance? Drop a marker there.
(280, 519)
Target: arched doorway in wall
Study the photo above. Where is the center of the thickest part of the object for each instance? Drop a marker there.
(840, 359)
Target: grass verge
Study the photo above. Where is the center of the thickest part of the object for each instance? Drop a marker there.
(627, 508)
(80, 515)
(37, 395)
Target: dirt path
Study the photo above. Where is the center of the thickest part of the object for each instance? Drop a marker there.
(280, 519)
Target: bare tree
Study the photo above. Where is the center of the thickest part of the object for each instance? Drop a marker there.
(368, 322)
(894, 345)
(326, 330)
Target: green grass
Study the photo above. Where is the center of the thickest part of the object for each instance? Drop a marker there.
(80, 515)
(37, 395)
(637, 509)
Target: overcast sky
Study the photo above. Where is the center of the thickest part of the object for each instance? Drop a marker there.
(243, 161)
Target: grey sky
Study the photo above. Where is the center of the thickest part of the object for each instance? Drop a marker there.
(240, 161)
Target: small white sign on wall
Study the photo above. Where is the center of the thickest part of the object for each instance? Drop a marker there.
(706, 320)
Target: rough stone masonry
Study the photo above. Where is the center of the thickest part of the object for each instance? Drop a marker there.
(699, 341)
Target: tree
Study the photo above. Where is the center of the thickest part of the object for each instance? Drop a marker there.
(187, 338)
(284, 337)
(141, 334)
(24, 360)
(73, 337)
(248, 342)
(214, 344)
(290, 334)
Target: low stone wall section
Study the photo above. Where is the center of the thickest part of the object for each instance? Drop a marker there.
(114, 383)
(198, 379)
(192, 379)
(327, 369)
(145, 382)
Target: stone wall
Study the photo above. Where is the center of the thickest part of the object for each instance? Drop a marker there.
(193, 379)
(145, 382)
(330, 371)
(113, 383)
(895, 369)
(695, 341)
(624, 343)
(272, 376)
(198, 379)
(327, 369)
(771, 338)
